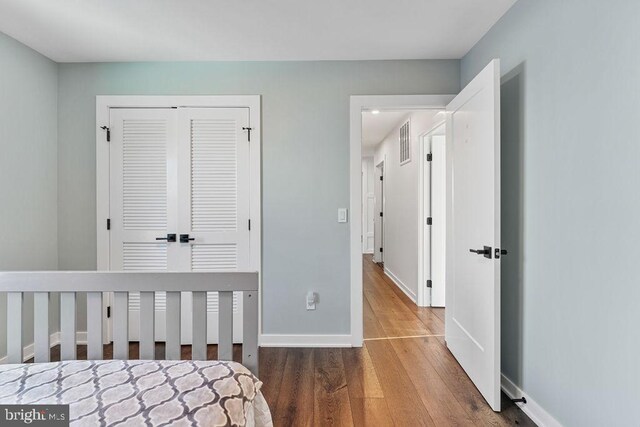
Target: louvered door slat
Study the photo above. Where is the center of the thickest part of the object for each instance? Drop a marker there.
(214, 174)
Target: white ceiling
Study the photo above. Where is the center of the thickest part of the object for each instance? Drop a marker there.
(200, 30)
(375, 127)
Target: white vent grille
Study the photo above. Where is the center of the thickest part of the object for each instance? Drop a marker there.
(405, 143)
(212, 258)
(144, 151)
(145, 257)
(214, 204)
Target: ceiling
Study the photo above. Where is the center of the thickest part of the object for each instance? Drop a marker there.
(249, 30)
(375, 127)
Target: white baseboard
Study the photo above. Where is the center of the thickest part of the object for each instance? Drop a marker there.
(404, 288)
(275, 340)
(533, 410)
(54, 339)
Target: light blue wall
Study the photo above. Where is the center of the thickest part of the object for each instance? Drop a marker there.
(305, 164)
(28, 167)
(571, 197)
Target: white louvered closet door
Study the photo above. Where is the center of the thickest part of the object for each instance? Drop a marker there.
(143, 199)
(213, 202)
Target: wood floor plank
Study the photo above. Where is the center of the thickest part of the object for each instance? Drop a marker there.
(372, 327)
(331, 397)
(295, 404)
(272, 362)
(361, 376)
(404, 405)
(434, 393)
(438, 311)
(371, 412)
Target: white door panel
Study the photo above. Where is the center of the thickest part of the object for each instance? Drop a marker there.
(473, 280)
(142, 155)
(213, 206)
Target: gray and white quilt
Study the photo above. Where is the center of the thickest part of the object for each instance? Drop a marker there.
(141, 392)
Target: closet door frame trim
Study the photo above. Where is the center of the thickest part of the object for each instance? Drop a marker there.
(106, 102)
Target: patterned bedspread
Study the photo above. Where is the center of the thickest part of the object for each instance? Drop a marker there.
(141, 392)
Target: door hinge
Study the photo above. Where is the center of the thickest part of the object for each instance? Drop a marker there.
(248, 129)
(429, 221)
(108, 223)
(429, 284)
(380, 249)
(381, 214)
(381, 178)
(429, 157)
(249, 225)
(109, 311)
(108, 132)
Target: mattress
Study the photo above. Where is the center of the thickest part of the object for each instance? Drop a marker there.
(141, 392)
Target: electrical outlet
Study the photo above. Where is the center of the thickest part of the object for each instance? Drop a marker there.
(312, 299)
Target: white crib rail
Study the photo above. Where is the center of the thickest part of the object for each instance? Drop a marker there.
(68, 283)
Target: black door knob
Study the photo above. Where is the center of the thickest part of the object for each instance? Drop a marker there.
(169, 238)
(184, 238)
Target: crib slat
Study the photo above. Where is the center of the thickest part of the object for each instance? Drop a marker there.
(94, 325)
(172, 348)
(14, 327)
(41, 341)
(250, 331)
(147, 325)
(199, 335)
(68, 326)
(225, 325)
(121, 325)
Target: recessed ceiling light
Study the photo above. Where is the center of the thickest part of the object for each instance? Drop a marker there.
(375, 111)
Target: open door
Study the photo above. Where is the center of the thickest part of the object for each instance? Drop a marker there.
(473, 233)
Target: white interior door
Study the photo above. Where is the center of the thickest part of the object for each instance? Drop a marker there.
(473, 279)
(143, 203)
(213, 202)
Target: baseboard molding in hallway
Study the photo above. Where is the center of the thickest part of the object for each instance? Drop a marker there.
(404, 337)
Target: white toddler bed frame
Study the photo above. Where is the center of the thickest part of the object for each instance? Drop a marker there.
(68, 283)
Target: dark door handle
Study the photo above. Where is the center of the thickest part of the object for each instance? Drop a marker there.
(500, 252)
(184, 238)
(486, 251)
(169, 238)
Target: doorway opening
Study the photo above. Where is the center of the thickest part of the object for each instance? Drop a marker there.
(396, 197)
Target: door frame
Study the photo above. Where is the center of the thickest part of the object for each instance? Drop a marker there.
(423, 140)
(103, 105)
(358, 104)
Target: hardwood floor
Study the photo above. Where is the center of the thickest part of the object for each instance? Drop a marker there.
(404, 375)
(392, 380)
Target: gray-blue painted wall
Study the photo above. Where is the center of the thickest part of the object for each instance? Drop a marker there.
(28, 168)
(305, 163)
(571, 197)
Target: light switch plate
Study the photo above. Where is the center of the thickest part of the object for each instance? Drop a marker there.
(342, 215)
